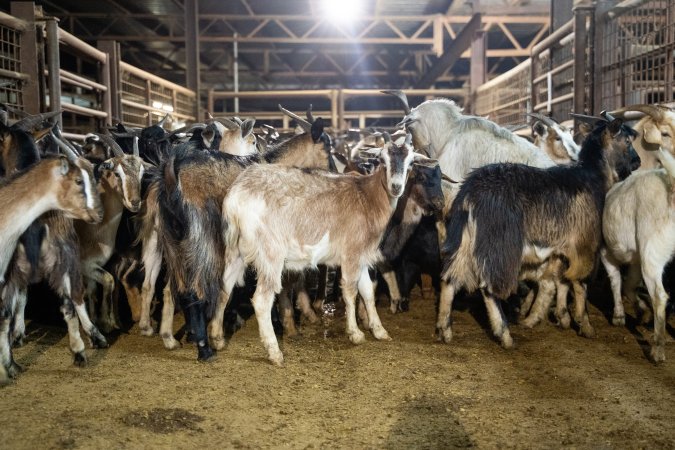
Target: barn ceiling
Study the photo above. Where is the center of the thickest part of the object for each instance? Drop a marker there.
(294, 44)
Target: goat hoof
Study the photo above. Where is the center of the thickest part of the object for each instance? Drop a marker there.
(565, 321)
(393, 306)
(18, 341)
(380, 334)
(4, 378)
(98, 340)
(170, 343)
(205, 353)
(506, 341)
(146, 331)
(658, 354)
(217, 342)
(530, 322)
(14, 369)
(357, 337)
(587, 331)
(318, 305)
(619, 321)
(276, 358)
(446, 335)
(80, 359)
(404, 305)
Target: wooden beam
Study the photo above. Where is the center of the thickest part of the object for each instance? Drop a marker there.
(454, 53)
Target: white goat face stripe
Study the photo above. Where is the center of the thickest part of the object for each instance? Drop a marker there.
(123, 180)
(88, 195)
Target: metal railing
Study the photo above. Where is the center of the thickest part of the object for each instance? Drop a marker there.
(604, 58)
(11, 75)
(146, 98)
(43, 67)
(635, 56)
(331, 104)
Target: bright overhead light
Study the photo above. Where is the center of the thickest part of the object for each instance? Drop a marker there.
(157, 105)
(342, 10)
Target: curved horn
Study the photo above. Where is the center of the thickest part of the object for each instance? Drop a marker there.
(651, 110)
(302, 122)
(161, 122)
(137, 151)
(545, 119)
(310, 116)
(110, 142)
(591, 120)
(70, 154)
(30, 122)
(227, 123)
(57, 132)
(195, 126)
(607, 116)
(237, 120)
(402, 98)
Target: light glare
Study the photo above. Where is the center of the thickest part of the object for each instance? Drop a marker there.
(342, 10)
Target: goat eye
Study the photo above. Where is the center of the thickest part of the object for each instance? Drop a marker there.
(665, 134)
(79, 182)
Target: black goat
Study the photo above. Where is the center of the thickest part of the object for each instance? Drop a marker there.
(510, 216)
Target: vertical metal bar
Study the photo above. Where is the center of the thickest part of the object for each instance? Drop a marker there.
(192, 62)
(236, 72)
(148, 99)
(341, 109)
(580, 37)
(30, 88)
(210, 103)
(478, 64)
(112, 70)
(334, 108)
(670, 58)
(54, 64)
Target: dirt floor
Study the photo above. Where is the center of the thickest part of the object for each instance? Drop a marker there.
(554, 389)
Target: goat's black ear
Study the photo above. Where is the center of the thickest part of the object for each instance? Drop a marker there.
(317, 129)
(247, 127)
(208, 135)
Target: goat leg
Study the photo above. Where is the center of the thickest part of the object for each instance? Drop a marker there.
(444, 321)
(500, 327)
(18, 330)
(166, 327)
(367, 291)
(580, 310)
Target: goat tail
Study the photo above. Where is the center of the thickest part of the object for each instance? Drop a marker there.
(668, 162)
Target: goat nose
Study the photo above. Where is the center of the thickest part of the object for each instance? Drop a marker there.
(135, 204)
(396, 189)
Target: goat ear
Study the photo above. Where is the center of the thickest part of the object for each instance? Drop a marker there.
(652, 134)
(208, 135)
(317, 129)
(247, 127)
(423, 160)
(65, 166)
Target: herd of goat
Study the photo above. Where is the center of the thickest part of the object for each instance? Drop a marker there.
(231, 216)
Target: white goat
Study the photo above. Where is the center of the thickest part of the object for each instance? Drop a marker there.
(288, 218)
(462, 143)
(639, 231)
(655, 130)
